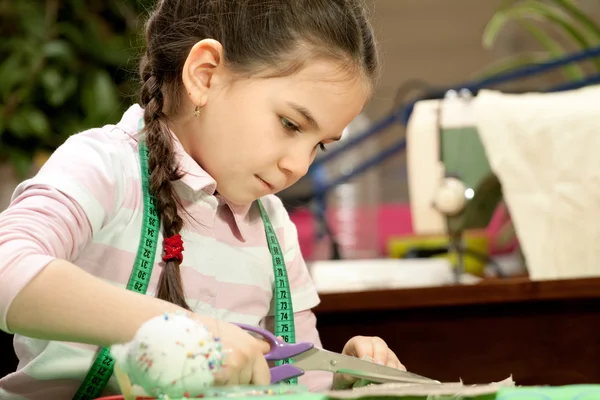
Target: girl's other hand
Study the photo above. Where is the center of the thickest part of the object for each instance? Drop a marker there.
(371, 348)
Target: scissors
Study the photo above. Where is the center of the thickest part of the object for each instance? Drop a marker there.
(309, 358)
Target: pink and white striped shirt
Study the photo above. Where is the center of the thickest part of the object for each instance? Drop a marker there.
(85, 206)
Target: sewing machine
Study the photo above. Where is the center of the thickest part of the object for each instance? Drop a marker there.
(451, 185)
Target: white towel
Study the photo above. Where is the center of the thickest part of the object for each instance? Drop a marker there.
(545, 149)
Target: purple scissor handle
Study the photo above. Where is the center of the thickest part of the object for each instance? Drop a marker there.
(280, 351)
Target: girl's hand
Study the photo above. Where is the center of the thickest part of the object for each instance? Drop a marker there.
(370, 348)
(244, 360)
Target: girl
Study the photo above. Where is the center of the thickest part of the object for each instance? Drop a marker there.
(236, 98)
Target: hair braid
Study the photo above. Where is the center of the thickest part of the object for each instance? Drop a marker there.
(163, 170)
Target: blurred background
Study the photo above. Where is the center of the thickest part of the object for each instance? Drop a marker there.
(439, 268)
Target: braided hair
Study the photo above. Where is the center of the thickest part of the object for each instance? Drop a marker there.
(163, 171)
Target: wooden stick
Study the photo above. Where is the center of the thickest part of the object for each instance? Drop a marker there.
(124, 384)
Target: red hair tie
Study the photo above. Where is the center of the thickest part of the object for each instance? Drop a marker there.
(173, 247)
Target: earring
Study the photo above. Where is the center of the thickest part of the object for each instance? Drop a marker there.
(197, 111)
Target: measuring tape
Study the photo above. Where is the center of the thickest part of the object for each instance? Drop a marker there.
(102, 369)
(284, 314)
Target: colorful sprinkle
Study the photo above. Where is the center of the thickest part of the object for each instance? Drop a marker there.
(175, 357)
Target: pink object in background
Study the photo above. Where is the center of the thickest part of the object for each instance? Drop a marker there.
(394, 220)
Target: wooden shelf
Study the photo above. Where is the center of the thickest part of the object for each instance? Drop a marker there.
(487, 292)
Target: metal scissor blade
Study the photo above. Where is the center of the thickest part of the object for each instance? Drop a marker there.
(324, 360)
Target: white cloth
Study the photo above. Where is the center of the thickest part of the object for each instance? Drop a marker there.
(545, 149)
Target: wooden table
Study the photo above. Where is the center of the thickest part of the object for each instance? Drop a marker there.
(545, 333)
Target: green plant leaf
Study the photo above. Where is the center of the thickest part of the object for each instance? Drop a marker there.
(70, 125)
(592, 29)
(2, 121)
(512, 62)
(523, 13)
(496, 23)
(29, 122)
(79, 7)
(32, 18)
(12, 74)
(72, 35)
(571, 72)
(51, 78)
(62, 72)
(59, 49)
(100, 98)
(58, 85)
(536, 9)
(21, 162)
(96, 42)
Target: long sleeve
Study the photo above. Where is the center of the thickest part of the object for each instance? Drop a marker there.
(55, 214)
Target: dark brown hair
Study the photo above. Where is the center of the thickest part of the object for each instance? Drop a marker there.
(272, 36)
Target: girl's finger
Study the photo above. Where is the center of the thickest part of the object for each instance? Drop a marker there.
(380, 350)
(261, 374)
(359, 347)
(394, 362)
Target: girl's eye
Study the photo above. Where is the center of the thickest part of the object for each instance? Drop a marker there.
(289, 125)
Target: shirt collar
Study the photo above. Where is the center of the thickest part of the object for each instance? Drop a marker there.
(241, 214)
(194, 176)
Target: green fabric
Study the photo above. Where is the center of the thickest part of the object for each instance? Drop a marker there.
(295, 396)
(572, 392)
(317, 396)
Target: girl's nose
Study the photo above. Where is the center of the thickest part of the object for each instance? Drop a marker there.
(296, 163)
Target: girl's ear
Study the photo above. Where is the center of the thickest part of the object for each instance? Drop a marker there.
(202, 70)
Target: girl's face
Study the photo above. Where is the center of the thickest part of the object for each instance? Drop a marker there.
(259, 136)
